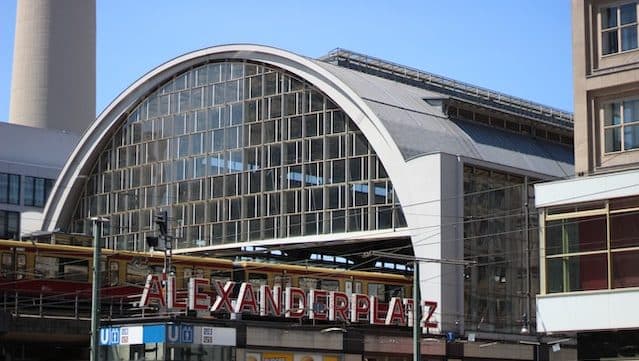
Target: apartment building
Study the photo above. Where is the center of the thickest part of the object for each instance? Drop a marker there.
(589, 230)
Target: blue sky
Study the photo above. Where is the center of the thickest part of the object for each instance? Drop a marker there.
(521, 47)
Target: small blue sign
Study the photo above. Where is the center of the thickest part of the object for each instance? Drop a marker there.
(186, 334)
(153, 333)
(109, 336)
(104, 336)
(180, 333)
(172, 333)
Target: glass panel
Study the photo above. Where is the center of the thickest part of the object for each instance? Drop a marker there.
(625, 272)
(576, 235)
(588, 272)
(612, 114)
(628, 13)
(613, 140)
(609, 17)
(629, 37)
(624, 230)
(554, 275)
(12, 229)
(630, 137)
(630, 111)
(4, 187)
(609, 42)
(622, 203)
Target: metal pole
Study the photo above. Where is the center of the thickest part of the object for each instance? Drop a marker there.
(417, 307)
(95, 294)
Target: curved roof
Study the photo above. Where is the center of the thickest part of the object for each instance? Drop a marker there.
(399, 124)
(419, 128)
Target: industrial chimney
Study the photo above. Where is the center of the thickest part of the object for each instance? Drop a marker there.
(53, 84)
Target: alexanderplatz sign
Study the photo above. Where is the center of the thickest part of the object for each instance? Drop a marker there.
(288, 302)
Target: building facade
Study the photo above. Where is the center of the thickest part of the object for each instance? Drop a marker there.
(589, 231)
(250, 148)
(27, 173)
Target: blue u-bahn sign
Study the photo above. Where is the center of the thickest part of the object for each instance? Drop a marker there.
(168, 333)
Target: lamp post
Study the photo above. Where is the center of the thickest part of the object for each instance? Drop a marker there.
(417, 307)
(95, 289)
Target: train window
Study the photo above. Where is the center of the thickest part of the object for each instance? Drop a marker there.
(328, 285)
(282, 281)
(257, 279)
(75, 270)
(376, 289)
(22, 265)
(136, 272)
(394, 291)
(188, 273)
(221, 276)
(199, 273)
(6, 269)
(114, 273)
(46, 267)
(307, 283)
(385, 292)
(352, 287)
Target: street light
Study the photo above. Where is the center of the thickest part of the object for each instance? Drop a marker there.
(95, 288)
(417, 307)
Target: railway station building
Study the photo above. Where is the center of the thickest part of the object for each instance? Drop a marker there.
(258, 152)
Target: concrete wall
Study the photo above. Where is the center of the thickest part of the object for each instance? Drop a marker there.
(594, 310)
(598, 79)
(53, 79)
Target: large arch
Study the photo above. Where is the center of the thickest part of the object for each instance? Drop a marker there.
(85, 152)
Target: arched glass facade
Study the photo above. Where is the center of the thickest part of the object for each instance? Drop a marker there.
(237, 151)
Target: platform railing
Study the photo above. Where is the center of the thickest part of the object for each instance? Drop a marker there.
(64, 306)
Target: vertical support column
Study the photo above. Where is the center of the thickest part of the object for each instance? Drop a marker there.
(417, 308)
(95, 293)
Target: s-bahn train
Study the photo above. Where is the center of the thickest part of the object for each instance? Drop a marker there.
(30, 268)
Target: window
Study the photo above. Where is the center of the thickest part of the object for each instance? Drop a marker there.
(618, 28)
(621, 125)
(9, 225)
(36, 191)
(583, 245)
(9, 188)
(265, 150)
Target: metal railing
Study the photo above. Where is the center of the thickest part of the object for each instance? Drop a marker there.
(64, 306)
(369, 64)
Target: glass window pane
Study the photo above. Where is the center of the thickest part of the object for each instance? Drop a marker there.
(4, 187)
(554, 239)
(39, 192)
(609, 42)
(613, 140)
(612, 114)
(631, 137)
(629, 37)
(625, 272)
(609, 18)
(14, 188)
(13, 224)
(628, 13)
(624, 230)
(630, 111)
(588, 272)
(576, 235)
(28, 191)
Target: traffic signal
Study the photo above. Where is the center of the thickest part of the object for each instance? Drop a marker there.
(152, 242)
(161, 221)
